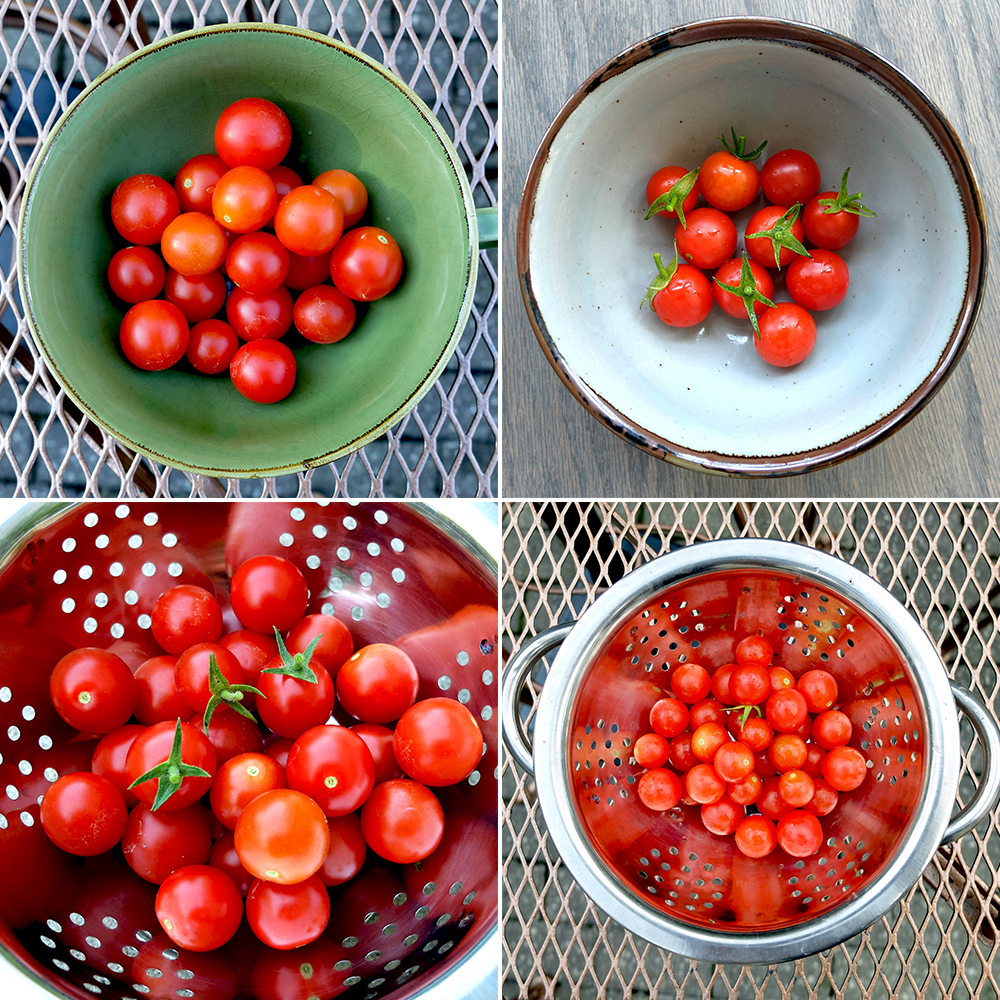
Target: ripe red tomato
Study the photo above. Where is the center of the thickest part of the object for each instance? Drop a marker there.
(199, 907)
(789, 177)
(734, 761)
(253, 131)
(366, 264)
(156, 696)
(820, 690)
(728, 183)
(787, 335)
(348, 190)
(703, 784)
(754, 649)
(282, 836)
(333, 766)
(194, 244)
(750, 684)
(195, 182)
(267, 316)
(818, 282)
(756, 837)
(323, 314)
(402, 821)
(686, 300)
(185, 615)
(263, 371)
(158, 843)
(136, 274)
(291, 706)
(707, 740)
(224, 857)
(141, 208)
(257, 262)
(690, 682)
(708, 240)
(268, 593)
(153, 747)
(304, 272)
(309, 220)
(254, 650)
(378, 683)
(378, 739)
(288, 916)
(660, 184)
(332, 650)
(240, 780)
(154, 335)
(800, 833)
(211, 346)
(796, 787)
(651, 750)
(231, 733)
(285, 179)
(198, 297)
(786, 710)
(93, 690)
(723, 817)
(191, 674)
(669, 717)
(730, 274)
(771, 219)
(83, 813)
(109, 759)
(659, 789)
(832, 729)
(244, 199)
(438, 742)
(844, 769)
(787, 751)
(347, 850)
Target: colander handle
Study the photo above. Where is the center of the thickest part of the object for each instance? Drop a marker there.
(514, 677)
(989, 788)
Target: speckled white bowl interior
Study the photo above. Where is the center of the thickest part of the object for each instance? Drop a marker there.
(701, 396)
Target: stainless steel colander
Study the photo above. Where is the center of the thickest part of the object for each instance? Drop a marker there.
(662, 875)
(419, 575)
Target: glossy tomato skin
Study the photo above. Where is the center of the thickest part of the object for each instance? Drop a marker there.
(818, 282)
(157, 698)
(244, 199)
(828, 230)
(789, 177)
(366, 264)
(192, 673)
(240, 780)
(194, 244)
(285, 179)
(224, 857)
(348, 190)
(379, 742)
(787, 335)
(212, 344)
(687, 299)
(259, 317)
(83, 813)
(288, 916)
(268, 593)
(158, 843)
(199, 907)
(153, 747)
(253, 131)
(231, 734)
(154, 335)
(136, 274)
(334, 647)
(662, 181)
(760, 247)
(257, 262)
(728, 183)
(378, 683)
(333, 766)
(438, 742)
(323, 314)
(304, 272)
(709, 239)
(141, 208)
(309, 220)
(729, 274)
(347, 850)
(198, 297)
(263, 371)
(93, 690)
(402, 821)
(185, 615)
(109, 759)
(254, 650)
(196, 181)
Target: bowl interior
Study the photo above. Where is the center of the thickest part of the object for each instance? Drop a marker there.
(703, 393)
(148, 115)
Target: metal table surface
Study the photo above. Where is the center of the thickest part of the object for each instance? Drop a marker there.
(446, 51)
(941, 561)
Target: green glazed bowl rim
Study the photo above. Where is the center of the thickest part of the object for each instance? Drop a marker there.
(438, 133)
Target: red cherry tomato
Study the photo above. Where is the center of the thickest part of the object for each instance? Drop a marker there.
(786, 710)
(800, 833)
(703, 784)
(335, 641)
(154, 335)
(158, 843)
(796, 788)
(686, 300)
(789, 177)
(690, 682)
(707, 740)
(304, 272)
(438, 741)
(199, 907)
(323, 314)
(194, 244)
(291, 706)
(211, 346)
(288, 916)
(224, 857)
(750, 684)
(828, 230)
(787, 751)
(141, 208)
(366, 263)
(198, 297)
(723, 817)
(285, 179)
(309, 220)
(83, 813)
(787, 335)
(734, 761)
(659, 789)
(378, 739)
(347, 850)
(109, 759)
(762, 248)
(257, 262)
(832, 729)
(254, 650)
(348, 190)
(268, 593)
(254, 132)
(244, 199)
(662, 181)
(756, 837)
(669, 717)
(728, 183)
(708, 240)
(378, 683)
(185, 615)
(754, 649)
(191, 674)
(153, 747)
(333, 766)
(240, 780)
(93, 690)
(231, 733)
(258, 317)
(156, 696)
(136, 274)
(818, 282)
(195, 182)
(402, 821)
(844, 769)
(729, 274)
(651, 750)
(263, 371)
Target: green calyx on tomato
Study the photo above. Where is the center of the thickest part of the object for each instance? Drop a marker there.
(748, 292)
(738, 148)
(745, 710)
(224, 693)
(170, 773)
(672, 200)
(845, 202)
(780, 235)
(663, 277)
(296, 665)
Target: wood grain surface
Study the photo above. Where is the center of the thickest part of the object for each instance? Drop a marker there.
(552, 447)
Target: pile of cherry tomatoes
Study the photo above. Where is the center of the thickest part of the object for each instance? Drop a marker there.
(764, 755)
(795, 235)
(239, 231)
(221, 776)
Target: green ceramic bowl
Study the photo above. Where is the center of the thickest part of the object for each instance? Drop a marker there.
(148, 114)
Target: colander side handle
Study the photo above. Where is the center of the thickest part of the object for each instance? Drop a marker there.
(988, 793)
(514, 678)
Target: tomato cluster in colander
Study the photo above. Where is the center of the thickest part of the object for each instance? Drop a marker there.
(221, 773)
(763, 754)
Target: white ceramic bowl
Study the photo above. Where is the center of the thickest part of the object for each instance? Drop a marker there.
(701, 397)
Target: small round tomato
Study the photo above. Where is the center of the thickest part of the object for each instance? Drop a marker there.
(109, 759)
(158, 843)
(198, 297)
(669, 717)
(323, 314)
(291, 706)
(93, 690)
(266, 316)
(285, 179)
(754, 649)
(366, 264)
(83, 813)
(707, 740)
(756, 733)
(818, 282)
(824, 799)
(288, 916)
(730, 274)
(438, 741)
(681, 756)
(686, 300)
(153, 748)
(762, 248)
(282, 836)
(660, 184)
(690, 682)
(333, 766)
(335, 641)
(708, 240)
(241, 779)
(244, 199)
(348, 190)
(703, 784)
(378, 739)
(185, 615)
(212, 343)
(651, 750)
(154, 335)
(800, 833)
(750, 684)
(706, 710)
(832, 729)
(195, 182)
(263, 371)
(378, 683)
(796, 787)
(231, 733)
(734, 761)
(156, 696)
(199, 907)
(257, 262)
(722, 681)
(746, 791)
(254, 650)
(224, 857)
(659, 789)
(309, 220)
(304, 272)
(787, 751)
(136, 274)
(769, 802)
(756, 837)
(402, 821)
(789, 177)
(828, 231)
(786, 710)
(723, 817)
(727, 182)
(141, 208)
(787, 335)
(820, 690)
(194, 244)
(347, 850)
(193, 670)
(254, 132)
(844, 769)
(268, 593)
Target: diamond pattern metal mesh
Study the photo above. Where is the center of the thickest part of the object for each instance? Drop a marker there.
(445, 50)
(941, 561)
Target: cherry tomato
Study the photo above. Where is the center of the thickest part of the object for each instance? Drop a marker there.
(185, 615)
(844, 769)
(787, 335)
(800, 833)
(770, 802)
(257, 262)
(669, 717)
(750, 684)
(323, 314)
(154, 335)
(722, 684)
(335, 644)
(728, 183)
(240, 780)
(224, 857)
(438, 741)
(786, 710)
(198, 297)
(195, 182)
(832, 729)
(282, 836)
(244, 199)
(93, 690)
(194, 244)
(136, 274)
(780, 678)
(729, 274)
(787, 751)
(660, 184)
(659, 789)
(212, 343)
(828, 230)
(348, 190)
(824, 799)
(158, 843)
(156, 696)
(304, 272)
(366, 264)
(651, 750)
(754, 649)
(378, 739)
(734, 761)
(756, 837)
(153, 747)
(796, 788)
(708, 240)
(333, 766)
(231, 734)
(347, 850)
(756, 733)
(254, 650)
(199, 907)
(263, 371)
(254, 132)
(686, 300)
(291, 706)
(109, 759)
(309, 220)
(818, 282)
(819, 688)
(706, 710)
(258, 317)
(690, 682)
(723, 817)
(288, 916)
(378, 683)
(707, 740)
(268, 593)
(789, 177)
(402, 821)
(141, 208)
(285, 179)
(192, 673)
(681, 756)
(762, 248)
(703, 784)
(746, 791)
(83, 813)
